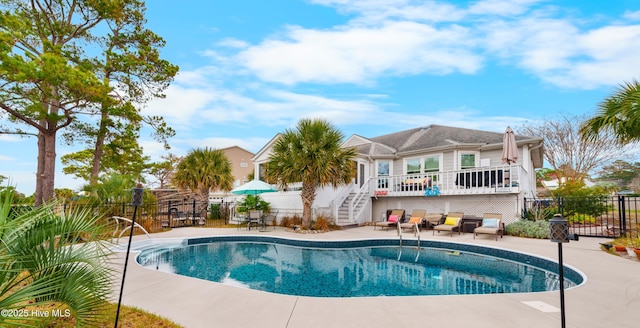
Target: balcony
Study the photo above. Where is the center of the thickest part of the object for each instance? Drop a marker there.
(487, 180)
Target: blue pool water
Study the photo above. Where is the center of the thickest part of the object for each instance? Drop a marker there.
(357, 268)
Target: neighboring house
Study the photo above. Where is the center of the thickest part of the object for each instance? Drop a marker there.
(460, 170)
(241, 168)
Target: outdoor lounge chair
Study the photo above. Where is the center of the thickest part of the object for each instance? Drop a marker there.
(394, 217)
(416, 218)
(452, 223)
(432, 219)
(491, 224)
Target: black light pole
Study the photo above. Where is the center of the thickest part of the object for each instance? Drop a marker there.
(559, 228)
(136, 200)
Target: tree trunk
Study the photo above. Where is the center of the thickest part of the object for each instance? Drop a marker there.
(40, 171)
(97, 153)
(46, 166)
(308, 195)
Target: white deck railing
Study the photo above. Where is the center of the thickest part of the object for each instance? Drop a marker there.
(486, 180)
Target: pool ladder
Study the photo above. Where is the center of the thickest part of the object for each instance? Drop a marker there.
(416, 232)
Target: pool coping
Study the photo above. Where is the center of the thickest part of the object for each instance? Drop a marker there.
(609, 295)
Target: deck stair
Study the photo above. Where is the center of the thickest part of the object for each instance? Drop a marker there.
(343, 210)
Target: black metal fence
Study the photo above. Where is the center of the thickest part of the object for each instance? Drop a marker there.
(161, 215)
(591, 216)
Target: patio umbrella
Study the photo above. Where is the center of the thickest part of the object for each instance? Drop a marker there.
(509, 147)
(253, 188)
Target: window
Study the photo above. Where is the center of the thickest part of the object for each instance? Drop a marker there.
(262, 171)
(383, 168)
(467, 161)
(413, 166)
(423, 165)
(432, 164)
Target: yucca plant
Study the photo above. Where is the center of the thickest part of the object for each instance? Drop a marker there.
(48, 258)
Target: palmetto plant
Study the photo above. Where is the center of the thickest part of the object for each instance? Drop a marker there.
(47, 258)
(618, 114)
(311, 154)
(202, 171)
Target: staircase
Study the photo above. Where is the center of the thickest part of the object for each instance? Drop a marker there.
(343, 210)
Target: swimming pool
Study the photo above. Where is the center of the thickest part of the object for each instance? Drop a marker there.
(357, 268)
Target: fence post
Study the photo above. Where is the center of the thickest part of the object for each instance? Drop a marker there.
(561, 205)
(622, 211)
(193, 209)
(169, 213)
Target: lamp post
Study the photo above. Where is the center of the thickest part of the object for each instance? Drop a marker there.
(136, 200)
(559, 233)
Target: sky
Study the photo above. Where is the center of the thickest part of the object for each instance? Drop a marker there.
(250, 69)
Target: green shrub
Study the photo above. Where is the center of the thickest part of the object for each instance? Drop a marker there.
(528, 229)
(214, 212)
(540, 212)
(253, 203)
(581, 218)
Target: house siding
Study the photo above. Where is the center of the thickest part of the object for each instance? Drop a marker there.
(470, 205)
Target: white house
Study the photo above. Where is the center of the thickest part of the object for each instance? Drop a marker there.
(436, 168)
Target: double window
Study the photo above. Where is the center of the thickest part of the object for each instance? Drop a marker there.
(421, 165)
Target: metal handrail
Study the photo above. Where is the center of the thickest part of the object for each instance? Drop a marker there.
(362, 193)
(118, 218)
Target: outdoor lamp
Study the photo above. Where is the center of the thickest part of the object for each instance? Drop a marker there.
(136, 200)
(136, 195)
(559, 233)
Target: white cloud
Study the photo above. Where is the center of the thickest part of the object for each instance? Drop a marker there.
(11, 138)
(233, 43)
(560, 53)
(349, 54)
(502, 7)
(180, 104)
(252, 144)
(633, 15)
(6, 158)
(372, 11)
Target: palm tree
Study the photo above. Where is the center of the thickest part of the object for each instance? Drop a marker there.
(618, 114)
(203, 170)
(311, 154)
(48, 258)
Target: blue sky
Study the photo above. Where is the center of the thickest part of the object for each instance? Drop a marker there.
(252, 68)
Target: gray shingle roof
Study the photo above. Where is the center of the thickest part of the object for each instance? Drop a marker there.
(433, 136)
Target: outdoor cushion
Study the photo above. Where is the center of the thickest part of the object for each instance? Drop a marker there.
(451, 221)
(490, 223)
(393, 218)
(415, 219)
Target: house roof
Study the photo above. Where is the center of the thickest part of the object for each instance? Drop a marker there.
(431, 137)
(436, 136)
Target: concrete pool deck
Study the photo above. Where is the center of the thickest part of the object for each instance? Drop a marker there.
(610, 296)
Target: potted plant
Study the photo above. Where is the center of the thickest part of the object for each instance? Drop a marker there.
(634, 247)
(620, 244)
(627, 244)
(253, 203)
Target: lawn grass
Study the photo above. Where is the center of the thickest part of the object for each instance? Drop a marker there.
(130, 317)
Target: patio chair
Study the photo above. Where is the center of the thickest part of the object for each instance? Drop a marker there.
(241, 219)
(432, 219)
(452, 223)
(491, 224)
(394, 217)
(255, 219)
(416, 218)
(270, 219)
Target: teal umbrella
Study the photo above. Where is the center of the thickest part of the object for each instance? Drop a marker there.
(253, 188)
